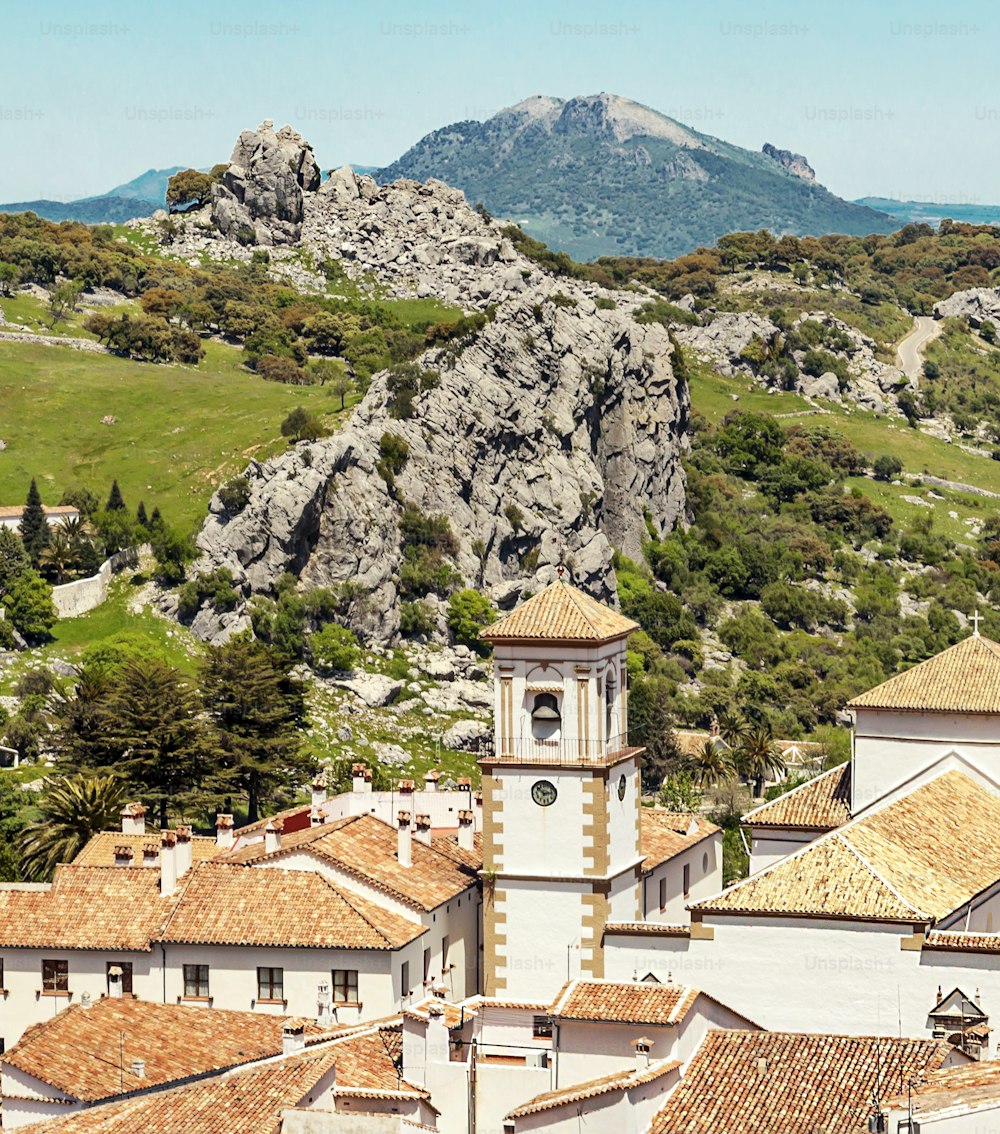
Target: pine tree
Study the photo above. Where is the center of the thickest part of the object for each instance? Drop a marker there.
(257, 709)
(115, 501)
(35, 532)
(140, 515)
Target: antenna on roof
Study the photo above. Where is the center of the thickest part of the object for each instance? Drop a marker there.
(975, 623)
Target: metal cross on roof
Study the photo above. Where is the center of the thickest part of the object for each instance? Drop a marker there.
(975, 623)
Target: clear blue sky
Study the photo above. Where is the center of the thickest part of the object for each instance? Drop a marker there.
(896, 98)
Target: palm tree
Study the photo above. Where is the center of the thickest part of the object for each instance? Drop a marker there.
(73, 809)
(59, 555)
(733, 727)
(759, 757)
(711, 764)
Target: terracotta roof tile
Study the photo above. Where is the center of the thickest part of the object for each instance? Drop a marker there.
(963, 942)
(86, 907)
(786, 1083)
(101, 849)
(70, 1051)
(965, 678)
(229, 904)
(593, 1088)
(647, 929)
(365, 847)
(664, 834)
(249, 1101)
(969, 1087)
(561, 613)
(820, 804)
(922, 857)
(624, 1002)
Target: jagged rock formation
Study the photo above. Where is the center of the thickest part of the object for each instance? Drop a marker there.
(546, 441)
(978, 305)
(260, 196)
(794, 163)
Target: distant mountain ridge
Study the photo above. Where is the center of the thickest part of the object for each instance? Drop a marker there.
(140, 197)
(602, 175)
(931, 212)
(150, 186)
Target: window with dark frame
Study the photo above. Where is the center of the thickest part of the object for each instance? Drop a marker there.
(55, 976)
(124, 975)
(663, 893)
(541, 1027)
(270, 984)
(687, 879)
(345, 986)
(404, 979)
(196, 982)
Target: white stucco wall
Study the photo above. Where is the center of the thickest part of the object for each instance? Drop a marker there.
(798, 975)
(543, 930)
(705, 862)
(766, 847)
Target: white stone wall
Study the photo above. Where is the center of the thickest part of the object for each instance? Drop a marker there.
(704, 860)
(544, 933)
(73, 599)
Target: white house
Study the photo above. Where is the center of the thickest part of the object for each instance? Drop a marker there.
(10, 515)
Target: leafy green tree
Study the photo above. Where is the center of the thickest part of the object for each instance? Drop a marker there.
(651, 725)
(301, 425)
(28, 603)
(73, 810)
(116, 502)
(189, 189)
(154, 721)
(758, 757)
(334, 647)
(14, 559)
(62, 299)
(35, 531)
(711, 763)
(81, 736)
(59, 556)
(469, 612)
(887, 467)
(256, 709)
(8, 277)
(13, 800)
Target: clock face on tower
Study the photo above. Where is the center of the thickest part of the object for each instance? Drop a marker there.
(543, 793)
(621, 787)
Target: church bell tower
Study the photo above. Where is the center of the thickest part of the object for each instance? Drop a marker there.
(561, 794)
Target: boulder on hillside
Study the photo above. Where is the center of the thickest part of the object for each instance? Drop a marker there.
(261, 193)
(978, 305)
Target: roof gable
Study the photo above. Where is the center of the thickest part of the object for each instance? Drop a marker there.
(820, 804)
(923, 855)
(560, 613)
(623, 1002)
(965, 678)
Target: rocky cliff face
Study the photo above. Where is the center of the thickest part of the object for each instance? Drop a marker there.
(261, 193)
(794, 163)
(545, 442)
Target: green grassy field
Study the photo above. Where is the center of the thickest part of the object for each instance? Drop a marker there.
(179, 430)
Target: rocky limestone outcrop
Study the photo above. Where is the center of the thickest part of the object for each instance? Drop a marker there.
(548, 440)
(978, 305)
(722, 340)
(262, 190)
(794, 163)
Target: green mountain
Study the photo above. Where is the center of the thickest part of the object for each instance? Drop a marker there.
(930, 212)
(149, 186)
(601, 175)
(90, 210)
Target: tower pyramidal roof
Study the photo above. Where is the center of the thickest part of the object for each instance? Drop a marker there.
(561, 613)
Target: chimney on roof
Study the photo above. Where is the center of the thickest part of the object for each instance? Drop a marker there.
(318, 792)
(85, 1001)
(464, 784)
(139, 1068)
(293, 1036)
(124, 855)
(224, 837)
(477, 810)
(168, 863)
(184, 850)
(361, 778)
(423, 834)
(133, 819)
(643, 1045)
(316, 818)
(404, 841)
(466, 830)
(272, 836)
(761, 1066)
(406, 787)
(431, 777)
(115, 982)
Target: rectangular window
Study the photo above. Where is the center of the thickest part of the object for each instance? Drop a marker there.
(663, 893)
(427, 965)
(541, 1027)
(55, 976)
(2, 985)
(120, 972)
(345, 986)
(445, 950)
(270, 984)
(196, 981)
(404, 979)
(687, 879)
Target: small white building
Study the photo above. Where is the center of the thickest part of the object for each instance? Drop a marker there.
(10, 515)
